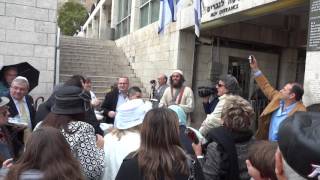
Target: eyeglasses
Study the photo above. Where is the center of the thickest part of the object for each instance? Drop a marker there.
(220, 85)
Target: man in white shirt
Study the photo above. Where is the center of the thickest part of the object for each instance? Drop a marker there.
(177, 93)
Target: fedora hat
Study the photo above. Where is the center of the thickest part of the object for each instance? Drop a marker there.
(299, 142)
(71, 100)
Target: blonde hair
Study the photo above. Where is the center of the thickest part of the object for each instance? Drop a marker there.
(237, 113)
(121, 132)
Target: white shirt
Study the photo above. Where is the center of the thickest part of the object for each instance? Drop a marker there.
(121, 99)
(116, 150)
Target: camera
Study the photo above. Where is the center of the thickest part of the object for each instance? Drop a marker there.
(152, 81)
(204, 91)
(250, 58)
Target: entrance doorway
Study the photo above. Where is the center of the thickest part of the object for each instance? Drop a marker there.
(239, 68)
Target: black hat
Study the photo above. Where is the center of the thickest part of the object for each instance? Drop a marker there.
(71, 100)
(299, 141)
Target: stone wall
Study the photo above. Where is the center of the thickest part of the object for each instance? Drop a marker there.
(28, 33)
(151, 54)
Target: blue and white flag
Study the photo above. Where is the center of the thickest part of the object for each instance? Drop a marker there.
(178, 7)
(197, 16)
(166, 14)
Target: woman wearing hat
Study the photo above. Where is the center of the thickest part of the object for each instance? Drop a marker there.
(160, 155)
(227, 85)
(125, 138)
(67, 114)
(11, 136)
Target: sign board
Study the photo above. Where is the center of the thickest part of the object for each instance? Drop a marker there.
(314, 26)
(214, 9)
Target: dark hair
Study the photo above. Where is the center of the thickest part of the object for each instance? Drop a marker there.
(133, 90)
(160, 155)
(261, 155)
(165, 78)
(75, 80)
(60, 121)
(47, 151)
(88, 80)
(3, 73)
(231, 84)
(182, 80)
(297, 89)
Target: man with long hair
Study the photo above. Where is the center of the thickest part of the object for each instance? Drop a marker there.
(177, 93)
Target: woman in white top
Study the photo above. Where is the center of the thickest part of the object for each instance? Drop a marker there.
(125, 138)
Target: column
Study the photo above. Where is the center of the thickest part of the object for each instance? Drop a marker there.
(312, 73)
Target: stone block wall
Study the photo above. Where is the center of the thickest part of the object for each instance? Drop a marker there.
(150, 53)
(28, 33)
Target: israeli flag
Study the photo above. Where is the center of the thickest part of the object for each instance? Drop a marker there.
(197, 16)
(166, 14)
(179, 5)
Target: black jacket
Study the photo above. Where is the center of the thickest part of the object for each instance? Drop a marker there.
(13, 110)
(129, 169)
(110, 104)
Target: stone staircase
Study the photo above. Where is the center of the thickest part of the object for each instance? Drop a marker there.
(99, 60)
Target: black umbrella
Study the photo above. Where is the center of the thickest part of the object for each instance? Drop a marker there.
(25, 70)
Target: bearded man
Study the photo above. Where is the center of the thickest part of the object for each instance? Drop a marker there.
(177, 93)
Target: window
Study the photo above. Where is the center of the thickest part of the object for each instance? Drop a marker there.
(124, 14)
(149, 11)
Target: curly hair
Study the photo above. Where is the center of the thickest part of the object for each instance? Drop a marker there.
(237, 113)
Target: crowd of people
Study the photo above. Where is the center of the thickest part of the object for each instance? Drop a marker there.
(63, 139)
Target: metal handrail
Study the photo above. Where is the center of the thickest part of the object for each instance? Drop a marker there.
(91, 17)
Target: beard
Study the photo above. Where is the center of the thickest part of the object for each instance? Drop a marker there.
(177, 84)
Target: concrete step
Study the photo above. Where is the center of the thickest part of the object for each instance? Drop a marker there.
(97, 73)
(81, 63)
(91, 55)
(102, 61)
(103, 69)
(90, 60)
(85, 41)
(91, 50)
(87, 50)
(66, 61)
(102, 80)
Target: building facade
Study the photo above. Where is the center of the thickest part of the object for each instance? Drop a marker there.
(275, 31)
(28, 34)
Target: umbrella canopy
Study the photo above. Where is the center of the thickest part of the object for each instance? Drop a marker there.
(26, 70)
